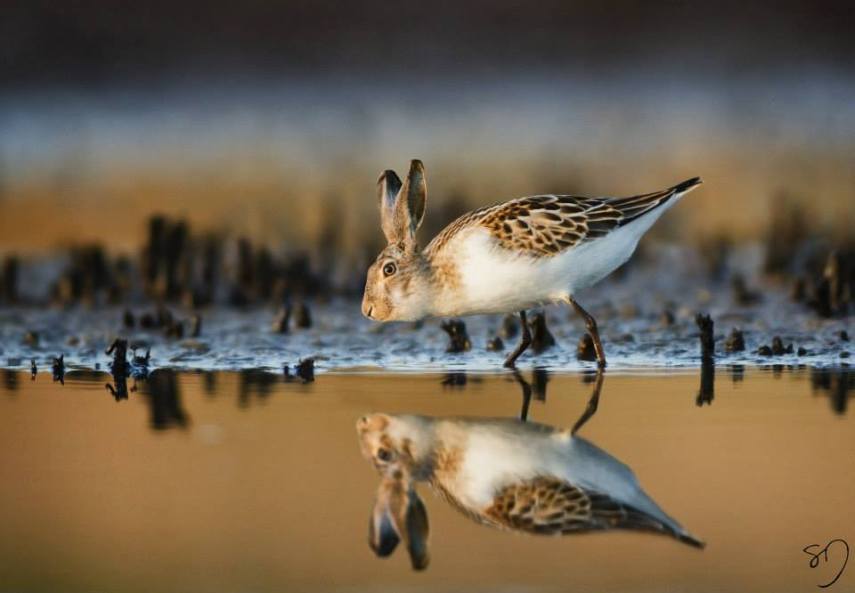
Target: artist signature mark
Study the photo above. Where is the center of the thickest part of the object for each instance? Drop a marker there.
(815, 556)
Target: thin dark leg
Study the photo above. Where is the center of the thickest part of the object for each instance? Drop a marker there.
(591, 324)
(526, 395)
(525, 341)
(592, 403)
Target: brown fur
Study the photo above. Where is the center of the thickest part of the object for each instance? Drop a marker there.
(444, 272)
(378, 288)
(447, 461)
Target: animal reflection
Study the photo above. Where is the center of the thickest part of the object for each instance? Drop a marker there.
(536, 389)
(504, 473)
(399, 514)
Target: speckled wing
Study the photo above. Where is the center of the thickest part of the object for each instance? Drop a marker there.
(542, 226)
(552, 506)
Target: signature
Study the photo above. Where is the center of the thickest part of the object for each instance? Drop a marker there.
(815, 556)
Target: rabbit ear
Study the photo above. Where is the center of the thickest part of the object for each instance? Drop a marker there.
(417, 530)
(399, 514)
(385, 530)
(388, 187)
(382, 534)
(411, 202)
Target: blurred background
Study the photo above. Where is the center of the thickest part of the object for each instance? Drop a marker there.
(273, 119)
(160, 159)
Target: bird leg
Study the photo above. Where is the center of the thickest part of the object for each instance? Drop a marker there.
(525, 341)
(592, 403)
(526, 395)
(591, 325)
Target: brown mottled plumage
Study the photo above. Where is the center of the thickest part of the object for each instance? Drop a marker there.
(549, 506)
(543, 226)
(510, 257)
(514, 475)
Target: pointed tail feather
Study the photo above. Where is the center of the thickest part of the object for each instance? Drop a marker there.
(637, 207)
(688, 538)
(687, 185)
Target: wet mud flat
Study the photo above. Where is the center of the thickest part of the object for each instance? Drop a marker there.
(643, 324)
(192, 300)
(224, 481)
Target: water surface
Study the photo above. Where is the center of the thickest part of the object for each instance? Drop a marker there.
(245, 482)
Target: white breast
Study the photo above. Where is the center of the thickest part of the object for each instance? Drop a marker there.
(495, 456)
(496, 280)
(500, 454)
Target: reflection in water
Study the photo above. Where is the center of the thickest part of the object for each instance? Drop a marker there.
(120, 369)
(209, 383)
(10, 380)
(164, 398)
(526, 394)
(86, 375)
(58, 369)
(505, 473)
(593, 401)
(706, 393)
(455, 379)
(160, 386)
(537, 390)
(247, 480)
(459, 380)
(540, 377)
(737, 373)
(399, 514)
(120, 391)
(255, 381)
(838, 384)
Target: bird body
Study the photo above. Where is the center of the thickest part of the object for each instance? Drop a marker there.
(504, 258)
(494, 279)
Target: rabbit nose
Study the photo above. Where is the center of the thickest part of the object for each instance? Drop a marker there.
(369, 311)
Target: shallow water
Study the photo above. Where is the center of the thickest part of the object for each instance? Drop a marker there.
(244, 482)
(634, 335)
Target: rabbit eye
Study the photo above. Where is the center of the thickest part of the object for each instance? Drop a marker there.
(389, 269)
(384, 454)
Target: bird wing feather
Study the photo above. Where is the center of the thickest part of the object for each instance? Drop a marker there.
(543, 226)
(551, 506)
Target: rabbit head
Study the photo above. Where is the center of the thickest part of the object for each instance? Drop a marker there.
(399, 514)
(397, 283)
(397, 444)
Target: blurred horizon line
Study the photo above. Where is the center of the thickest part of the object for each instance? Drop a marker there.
(93, 42)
